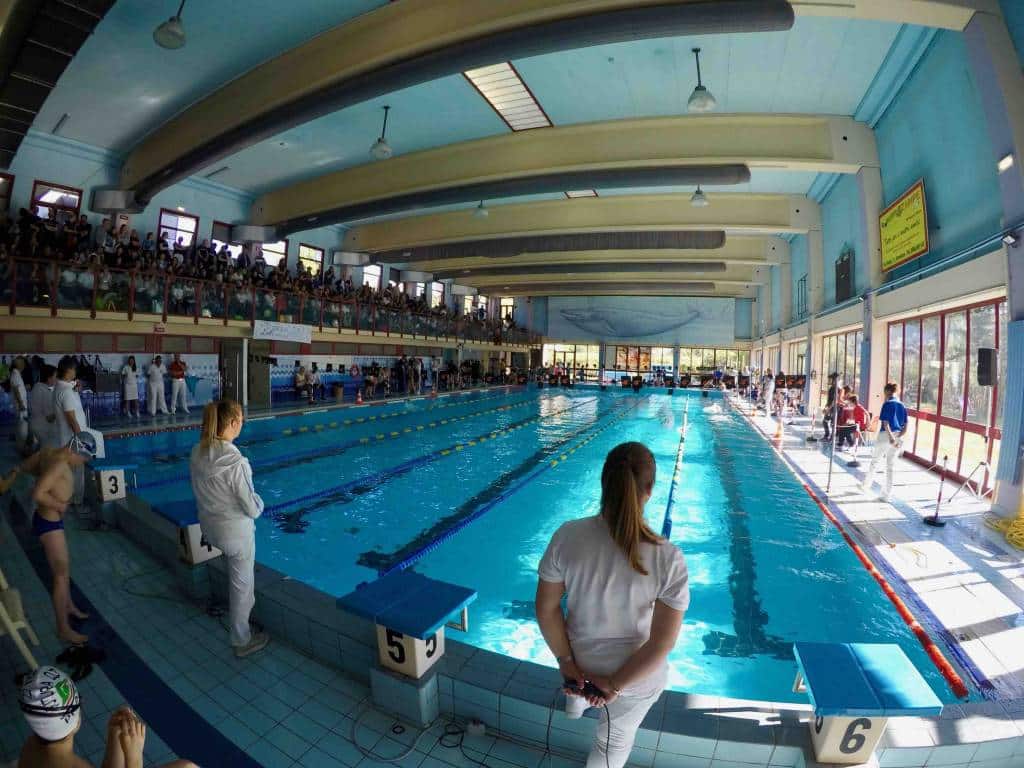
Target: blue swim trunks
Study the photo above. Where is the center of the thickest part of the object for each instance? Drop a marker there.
(40, 525)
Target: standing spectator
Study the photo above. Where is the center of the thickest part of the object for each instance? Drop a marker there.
(101, 233)
(893, 425)
(228, 506)
(179, 390)
(149, 244)
(829, 414)
(43, 417)
(70, 419)
(155, 386)
(130, 387)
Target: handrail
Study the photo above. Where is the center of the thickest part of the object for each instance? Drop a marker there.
(209, 299)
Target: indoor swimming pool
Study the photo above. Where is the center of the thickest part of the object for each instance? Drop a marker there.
(469, 489)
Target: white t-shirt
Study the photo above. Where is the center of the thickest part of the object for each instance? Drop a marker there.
(66, 399)
(131, 383)
(155, 373)
(40, 403)
(610, 605)
(18, 385)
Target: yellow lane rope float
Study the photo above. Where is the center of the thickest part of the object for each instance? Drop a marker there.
(1012, 528)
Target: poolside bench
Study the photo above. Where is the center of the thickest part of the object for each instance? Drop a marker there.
(855, 688)
(193, 548)
(410, 611)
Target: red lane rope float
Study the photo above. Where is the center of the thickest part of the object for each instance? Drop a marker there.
(946, 669)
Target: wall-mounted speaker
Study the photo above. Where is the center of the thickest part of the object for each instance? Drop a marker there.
(987, 362)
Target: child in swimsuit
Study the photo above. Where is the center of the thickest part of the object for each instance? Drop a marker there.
(54, 488)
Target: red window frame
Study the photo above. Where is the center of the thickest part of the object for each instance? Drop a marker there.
(927, 455)
(160, 228)
(284, 259)
(9, 178)
(40, 182)
(322, 251)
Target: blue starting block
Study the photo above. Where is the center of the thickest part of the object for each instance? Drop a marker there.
(855, 688)
(193, 548)
(411, 612)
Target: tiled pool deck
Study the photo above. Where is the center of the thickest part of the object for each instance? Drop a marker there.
(294, 704)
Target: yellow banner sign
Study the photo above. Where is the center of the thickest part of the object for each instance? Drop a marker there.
(904, 228)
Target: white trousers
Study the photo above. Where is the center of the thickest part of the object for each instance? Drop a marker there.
(625, 714)
(240, 553)
(155, 398)
(179, 391)
(883, 447)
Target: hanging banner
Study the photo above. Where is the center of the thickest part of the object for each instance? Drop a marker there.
(904, 228)
(265, 329)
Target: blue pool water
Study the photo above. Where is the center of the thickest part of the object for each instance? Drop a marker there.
(471, 488)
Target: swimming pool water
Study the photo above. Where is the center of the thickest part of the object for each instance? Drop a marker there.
(470, 489)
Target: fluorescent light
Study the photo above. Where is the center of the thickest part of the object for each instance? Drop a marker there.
(1005, 163)
(508, 95)
(181, 208)
(573, 193)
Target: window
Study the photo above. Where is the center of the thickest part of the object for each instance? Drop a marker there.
(235, 249)
(801, 298)
(275, 253)
(311, 257)
(840, 353)
(371, 276)
(178, 226)
(6, 187)
(64, 201)
(436, 294)
(507, 307)
(797, 358)
(572, 356)
(933, 359)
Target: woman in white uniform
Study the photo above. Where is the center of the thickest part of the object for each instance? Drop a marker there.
(627, 590)
(155, 386)
(43, 417)
(228, 505)
(130, 388)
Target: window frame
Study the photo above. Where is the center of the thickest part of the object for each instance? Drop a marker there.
(9, 177)
(231, 246)
(284, 258)
(53, 185)
(300, 261)
(380, 274)
(175, 212)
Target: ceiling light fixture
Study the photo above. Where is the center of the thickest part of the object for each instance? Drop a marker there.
(701, 99)
(481, 212)
(381, 150)
(171, 34)
(699, 199)
(1005, 163)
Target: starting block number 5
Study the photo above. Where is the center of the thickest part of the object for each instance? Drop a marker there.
(111, 484)
(409, 655)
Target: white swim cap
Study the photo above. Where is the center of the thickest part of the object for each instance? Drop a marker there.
(50, 702)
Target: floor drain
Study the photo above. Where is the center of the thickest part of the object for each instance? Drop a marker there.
(397, 729)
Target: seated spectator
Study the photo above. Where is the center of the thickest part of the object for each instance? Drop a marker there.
(52, 707)
(853, 421)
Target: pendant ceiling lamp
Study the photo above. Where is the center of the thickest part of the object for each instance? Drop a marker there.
(699, 199)
(381, 150)
(481, 212)
(701, 99)
(171, 34)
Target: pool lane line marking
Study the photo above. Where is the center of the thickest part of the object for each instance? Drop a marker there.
(946, 669)
(387, 474)
(282, 462)
(677, 470)
(380, 561)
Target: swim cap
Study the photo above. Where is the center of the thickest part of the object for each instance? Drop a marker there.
(50, 702)
(83, 444)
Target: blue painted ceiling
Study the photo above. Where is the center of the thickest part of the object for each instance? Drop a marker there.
(121, 85)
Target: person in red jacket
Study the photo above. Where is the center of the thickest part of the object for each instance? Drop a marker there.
(853, 419)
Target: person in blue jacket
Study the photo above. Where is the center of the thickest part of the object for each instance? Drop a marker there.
(892, 426)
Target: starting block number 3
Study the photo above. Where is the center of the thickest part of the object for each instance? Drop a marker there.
(409, 655)
(111, 484)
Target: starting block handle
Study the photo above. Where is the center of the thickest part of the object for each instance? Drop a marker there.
(799, 686)
(463, 625)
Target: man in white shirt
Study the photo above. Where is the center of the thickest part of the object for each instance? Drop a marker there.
(67, 406)
(42, 416)
(20, 397)
(155, 386)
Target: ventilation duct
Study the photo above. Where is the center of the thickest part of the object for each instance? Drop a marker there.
(553, 181)
(502, 247)
(669, 19)
(590, 268)
(37, 42)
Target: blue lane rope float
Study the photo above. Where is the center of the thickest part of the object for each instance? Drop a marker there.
(677, 471)
(542, 466)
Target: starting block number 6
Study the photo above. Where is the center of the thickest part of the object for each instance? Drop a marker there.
(846, 739)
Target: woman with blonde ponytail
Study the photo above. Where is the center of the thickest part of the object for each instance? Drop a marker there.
(228, 505)
(627, 590)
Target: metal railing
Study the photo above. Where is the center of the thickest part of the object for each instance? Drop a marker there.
(105, 291)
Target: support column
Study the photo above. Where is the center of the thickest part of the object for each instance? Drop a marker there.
(785, 292)
(675, 363)
(1000, 83)
(815, 272)
(810, 406)
(873, 340)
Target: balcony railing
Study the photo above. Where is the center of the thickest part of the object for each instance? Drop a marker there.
(105, 291)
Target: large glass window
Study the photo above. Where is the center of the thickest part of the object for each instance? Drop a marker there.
(436, 294)
(508, 306)
(797, 356)
(840, 354)
(6, 187)
(275, 253)
(179, 226)
(572, 357)
(64, 201)
(235, 249)
(311, 258)
(371, 276)
(935, 359)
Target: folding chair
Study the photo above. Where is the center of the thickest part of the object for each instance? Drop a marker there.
(12, 619)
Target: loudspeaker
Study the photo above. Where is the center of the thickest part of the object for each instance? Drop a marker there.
(987, 361)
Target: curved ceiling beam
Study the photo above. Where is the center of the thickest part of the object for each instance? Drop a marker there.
(505, 247)
(625, 288)
(657, 146)
(752, 214)
(496, 274)
(942, 14)
(402, 44)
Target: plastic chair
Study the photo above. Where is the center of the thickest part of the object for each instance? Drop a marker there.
(12, 619)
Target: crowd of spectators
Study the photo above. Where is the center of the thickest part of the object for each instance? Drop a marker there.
(96, 264)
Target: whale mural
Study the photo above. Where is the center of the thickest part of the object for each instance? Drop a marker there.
(655, 320)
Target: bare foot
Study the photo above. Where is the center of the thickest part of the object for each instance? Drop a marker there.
(72, 637)
(77, 612)
(114, 756)
(133, 739)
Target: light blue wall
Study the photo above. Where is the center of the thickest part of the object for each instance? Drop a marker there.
(61, 161)
(935, 130)
(840, 222)
(776, 320)
(1013, 13)
(744, 318)
(532, 313)
(798, 263)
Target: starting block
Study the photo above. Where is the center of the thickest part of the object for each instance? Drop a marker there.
(855, 688)
(193, 548)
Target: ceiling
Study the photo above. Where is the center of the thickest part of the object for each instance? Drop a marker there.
(121, 87)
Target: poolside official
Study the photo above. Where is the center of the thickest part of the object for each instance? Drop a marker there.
(892, 426)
